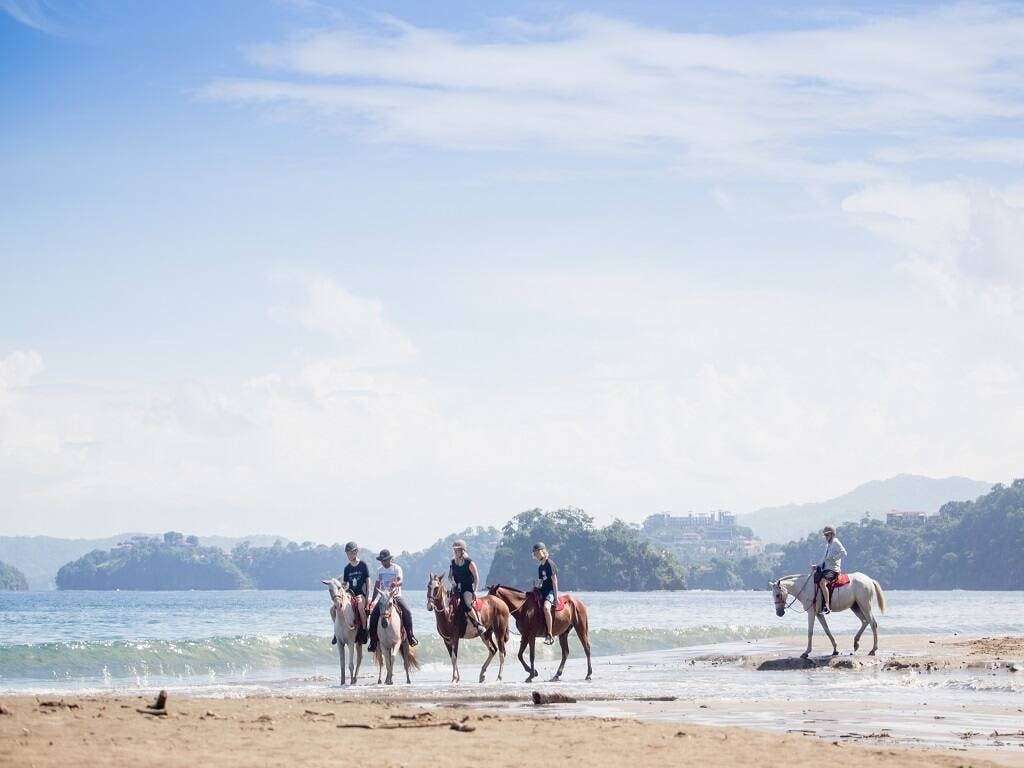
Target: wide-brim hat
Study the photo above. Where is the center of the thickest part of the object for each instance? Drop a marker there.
(385, 554)
(539, 546)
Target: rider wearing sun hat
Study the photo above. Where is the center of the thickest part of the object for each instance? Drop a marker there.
(389, 577)
(464, 576)
(831, 564)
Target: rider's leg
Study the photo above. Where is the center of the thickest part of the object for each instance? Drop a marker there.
(374, 619)
(407, 620)
(363, 623)
(474, 616)
(548, 609)
(826, 594)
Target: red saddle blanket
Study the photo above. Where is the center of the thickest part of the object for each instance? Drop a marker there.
(560, 601)
(841, 581)
(478, 605)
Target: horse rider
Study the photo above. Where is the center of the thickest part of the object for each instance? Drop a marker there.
(831, 565)
(356, 577)
(464, 577)
(547, 585)
(389, 578)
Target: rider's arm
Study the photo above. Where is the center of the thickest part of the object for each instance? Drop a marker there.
(398, 581)
(554, 582)
(840, 552)
(476, 576)
(451, 574)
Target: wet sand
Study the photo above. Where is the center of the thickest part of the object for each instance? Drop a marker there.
(331, 732)
(500, 726)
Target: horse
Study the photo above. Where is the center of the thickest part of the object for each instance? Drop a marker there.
(391, 640)
(858, 595)
(452, 625)
(529, 616)
(344, 613)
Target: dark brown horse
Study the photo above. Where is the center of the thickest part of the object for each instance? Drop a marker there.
(453, 625)
(529, 615)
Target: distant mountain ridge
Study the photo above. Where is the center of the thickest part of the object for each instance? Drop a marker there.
(40, 557)
(918, 493)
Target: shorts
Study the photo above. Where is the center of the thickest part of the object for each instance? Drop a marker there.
(827, 576)
(549, 598)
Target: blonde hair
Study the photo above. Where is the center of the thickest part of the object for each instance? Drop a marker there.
(541, 554)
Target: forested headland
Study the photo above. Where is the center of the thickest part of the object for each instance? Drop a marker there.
(968, 545)
(11, 579)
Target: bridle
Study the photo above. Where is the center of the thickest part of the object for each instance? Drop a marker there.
(793, 599)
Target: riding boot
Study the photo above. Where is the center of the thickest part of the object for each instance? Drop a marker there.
(372, 647)
(334, 640)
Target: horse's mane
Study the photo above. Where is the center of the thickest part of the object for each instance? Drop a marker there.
(495, 587)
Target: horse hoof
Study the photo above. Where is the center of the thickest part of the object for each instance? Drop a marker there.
(804, 655)
(871, 653)
(835, 651)
(587, 678)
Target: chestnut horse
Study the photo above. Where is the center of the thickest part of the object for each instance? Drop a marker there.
(453, 625)
(529, 616)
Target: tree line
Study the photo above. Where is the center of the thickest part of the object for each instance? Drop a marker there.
(970, 545)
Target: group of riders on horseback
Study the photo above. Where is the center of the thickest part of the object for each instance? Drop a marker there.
(462, 613)
(463, 576)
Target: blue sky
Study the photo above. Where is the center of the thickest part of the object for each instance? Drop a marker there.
(292, 266)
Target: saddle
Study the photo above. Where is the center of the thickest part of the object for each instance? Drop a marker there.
(841, 581)
(560, 601)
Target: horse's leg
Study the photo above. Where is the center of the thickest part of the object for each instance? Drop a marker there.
(389, 658)
(359, 662)
(810, 630)
(874, 629)
(341, 654)
(453, 650)
(563, 641)
(581, 622)
(522, 650)
(491, 650)
(533, 655)
(824, 625)
(404, 650)
(501, 651)
(863, 624)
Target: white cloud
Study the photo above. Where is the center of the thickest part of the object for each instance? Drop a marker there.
(367, 338)
(774, 102)
(18, 368)
(37, 14)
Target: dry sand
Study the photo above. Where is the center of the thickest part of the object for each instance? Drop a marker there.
(286, 731)
(292, 732)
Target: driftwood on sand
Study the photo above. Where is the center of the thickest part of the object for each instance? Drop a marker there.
(551, 698)
(158, 707)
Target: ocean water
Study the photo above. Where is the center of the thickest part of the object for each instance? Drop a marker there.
(645, 644)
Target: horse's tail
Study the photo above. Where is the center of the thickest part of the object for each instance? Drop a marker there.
(880, 595)
(409, 656)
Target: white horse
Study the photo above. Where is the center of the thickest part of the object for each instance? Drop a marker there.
(344, 613)
(858, 596)
(391, 641)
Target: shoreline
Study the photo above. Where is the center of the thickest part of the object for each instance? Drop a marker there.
(318, 730)
(783, 716)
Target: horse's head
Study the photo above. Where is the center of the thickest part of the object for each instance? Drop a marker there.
(779, 593)
(435, 592)
(334, 587)
(385, 602)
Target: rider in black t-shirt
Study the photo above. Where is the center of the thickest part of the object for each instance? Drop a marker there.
(357, 582)
(464, 576)
(547, 585)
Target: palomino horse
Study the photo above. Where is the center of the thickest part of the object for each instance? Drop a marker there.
(858, 596)
(452, 625)
(344, 613)
(391, 641)
(529, 616)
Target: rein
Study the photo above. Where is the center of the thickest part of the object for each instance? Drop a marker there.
(794, 598)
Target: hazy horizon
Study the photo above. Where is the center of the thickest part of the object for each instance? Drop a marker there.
(335, 271)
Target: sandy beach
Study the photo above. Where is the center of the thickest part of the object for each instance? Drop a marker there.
(502, 727)
(331, 732)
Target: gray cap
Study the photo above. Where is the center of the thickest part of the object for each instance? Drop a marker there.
(539, 546)
(459, 544)
(829, 529)
(351, 547)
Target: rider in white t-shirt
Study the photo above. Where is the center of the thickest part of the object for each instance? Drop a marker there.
(389, 577)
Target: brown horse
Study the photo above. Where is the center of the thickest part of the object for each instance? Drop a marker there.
(452, 625)
(529, 616)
